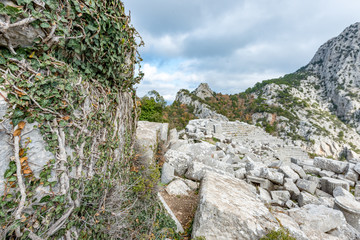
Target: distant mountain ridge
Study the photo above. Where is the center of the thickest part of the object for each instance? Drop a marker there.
(317, 107)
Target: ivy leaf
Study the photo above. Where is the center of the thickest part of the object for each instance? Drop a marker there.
(45, 25)
(12, 179)
(8, 173)
(45, 199)
(18, 113)
(13, 67)
(92, 28)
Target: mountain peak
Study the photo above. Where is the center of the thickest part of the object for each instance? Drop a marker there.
(338, 60)
(203, 91)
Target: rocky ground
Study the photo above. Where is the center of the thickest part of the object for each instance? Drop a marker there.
(250, 183)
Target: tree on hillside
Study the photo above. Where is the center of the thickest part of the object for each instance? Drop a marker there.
(152, 107)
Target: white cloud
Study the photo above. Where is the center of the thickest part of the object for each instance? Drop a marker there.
(167, 84)
(231, 44)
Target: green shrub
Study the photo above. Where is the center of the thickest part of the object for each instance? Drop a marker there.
(152, 107)
(280, 234)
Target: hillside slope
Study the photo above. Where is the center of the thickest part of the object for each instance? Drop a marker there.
(318, 107)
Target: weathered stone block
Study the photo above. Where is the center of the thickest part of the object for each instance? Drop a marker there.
(329, 184)
(331, 165)
(167, 173)
(289, 173)
(299, 170)
(264, 183)
(306, 198)
(292, 188)
(306, 185)
(197, 170)
(346, 203)
(325, 173)
(179, 160)
(282, 196)
(317, 217)
(311, 170)
(272, 175)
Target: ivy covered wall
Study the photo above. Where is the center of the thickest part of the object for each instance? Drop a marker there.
(67, 71)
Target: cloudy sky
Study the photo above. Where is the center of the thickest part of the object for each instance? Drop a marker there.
(231, 44)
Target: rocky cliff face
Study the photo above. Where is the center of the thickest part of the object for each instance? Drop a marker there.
(337, 64)
(203, 91)
(317, 107)
(196, 100)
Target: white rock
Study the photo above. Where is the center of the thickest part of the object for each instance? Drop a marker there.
(351, 175)
(306, 185)
(289, 173)
(197, 170)
(317, 217)
(179, 160)
(311, 170)
(264, 195)
(331, 165)
(240, 173)
(280, 195)
(306, 198)
(292, 188)
(272, 175)
(177, 187)
(329, 184)
(291, 225)
(167, 173)
(357, 168)
(325, 173)
(229, 209)
(299, 170)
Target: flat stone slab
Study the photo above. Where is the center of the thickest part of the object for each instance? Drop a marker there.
(230, 209)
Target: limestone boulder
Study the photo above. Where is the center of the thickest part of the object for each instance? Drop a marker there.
(177, 187)
(146, 142)
(299, 170)
(331, 165)
(197, 170)
(167, 173)
(289, 173)
(329, 184)
(291, 225)
(317, 217)
(272, 175)
(179, 160)
(306, 198)
(230, 209)
(306, 185)
(292, 188)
